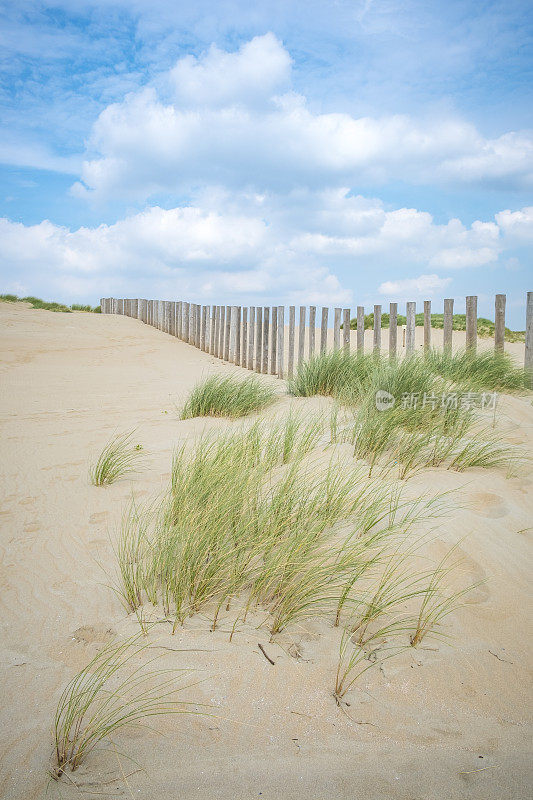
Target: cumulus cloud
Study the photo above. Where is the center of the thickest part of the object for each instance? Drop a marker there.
(517, 225)
(426, 285)
(308, 247)
(232, 118)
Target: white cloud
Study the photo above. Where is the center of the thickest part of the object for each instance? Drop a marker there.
(308, 247)
(517, 225)
(426, 285)
(230, 118)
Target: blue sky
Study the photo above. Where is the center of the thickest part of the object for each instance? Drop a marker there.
(339, 153)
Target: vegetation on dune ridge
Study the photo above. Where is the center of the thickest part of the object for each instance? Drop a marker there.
(485, 327)
(36, 302)
(258, 520)
(232, 397)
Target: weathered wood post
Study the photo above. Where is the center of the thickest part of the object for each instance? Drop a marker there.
(274, 341)
(244, 349)
(312, 330)
(377, 330)
(337, 329)
(217, 331)
(238, 336)
(393, 329)
(427, 325)
(528, 354)
(324, 330)
(233, 334)
(410, 329)
(499, 323)
(221, 332)
(227, 333)
(471, 322)
(251, 338)
(292, 324)
(204, 335)
(360, 329)
(281, 341)
(266, 331)
(172, 320)
(212, 325)
(258, 338)
(186, 321)
(301, 334)
(198, 325)
(447, 332)
(346, 330)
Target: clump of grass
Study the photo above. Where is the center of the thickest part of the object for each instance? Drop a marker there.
(437, 603)
(247, 518)
(118, 458)
(36, 302)
(228, 397)
(111, 692)
(331, 373)
(476, 371)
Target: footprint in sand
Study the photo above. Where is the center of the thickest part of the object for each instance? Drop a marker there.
(100, 516)
(488, 505)
(31, 527)
(88, 634)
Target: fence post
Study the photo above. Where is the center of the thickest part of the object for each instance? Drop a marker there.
(186, 321)
(244, 347)
(447, 325)
(471, 322)
(198, 325)
(227, 334)
(258, 337)
(274, 341)
(393, 329)
(427, 325)
(499, 322)
(528, 355)
(410, 329)
(301, 334)
(281, 340)
(213, 313)
(346, 330)
(233, 334)
(172, 319)
(337, 329)
(360, 329)
(312, 330)
(217, 331)
(251, 338)
(204, 335)
(238, 310)
(221, 332)
(266, 320)
(324, 330)
(377, 329)
(292, 324)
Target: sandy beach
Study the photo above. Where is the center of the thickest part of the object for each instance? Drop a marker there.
(444, 721)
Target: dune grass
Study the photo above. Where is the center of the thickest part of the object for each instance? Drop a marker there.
(119, 457)
(112, 691)
(228, 397)
(36, 302)
(428, 423)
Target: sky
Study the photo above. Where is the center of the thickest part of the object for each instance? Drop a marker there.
(333, 152)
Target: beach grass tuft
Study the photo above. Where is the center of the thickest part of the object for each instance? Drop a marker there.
(119, 457)
(228, 397)
(112, 691)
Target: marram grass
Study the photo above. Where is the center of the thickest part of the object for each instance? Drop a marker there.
(119, 457)
(228, 397)
(111, 692)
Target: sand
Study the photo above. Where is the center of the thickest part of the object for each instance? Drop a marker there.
(442, 721)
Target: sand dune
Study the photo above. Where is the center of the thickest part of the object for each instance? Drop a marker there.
(441, 721)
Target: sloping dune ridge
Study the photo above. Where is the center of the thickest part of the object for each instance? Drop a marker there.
(443, 721)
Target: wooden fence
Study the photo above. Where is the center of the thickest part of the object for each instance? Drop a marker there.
(257, 338)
